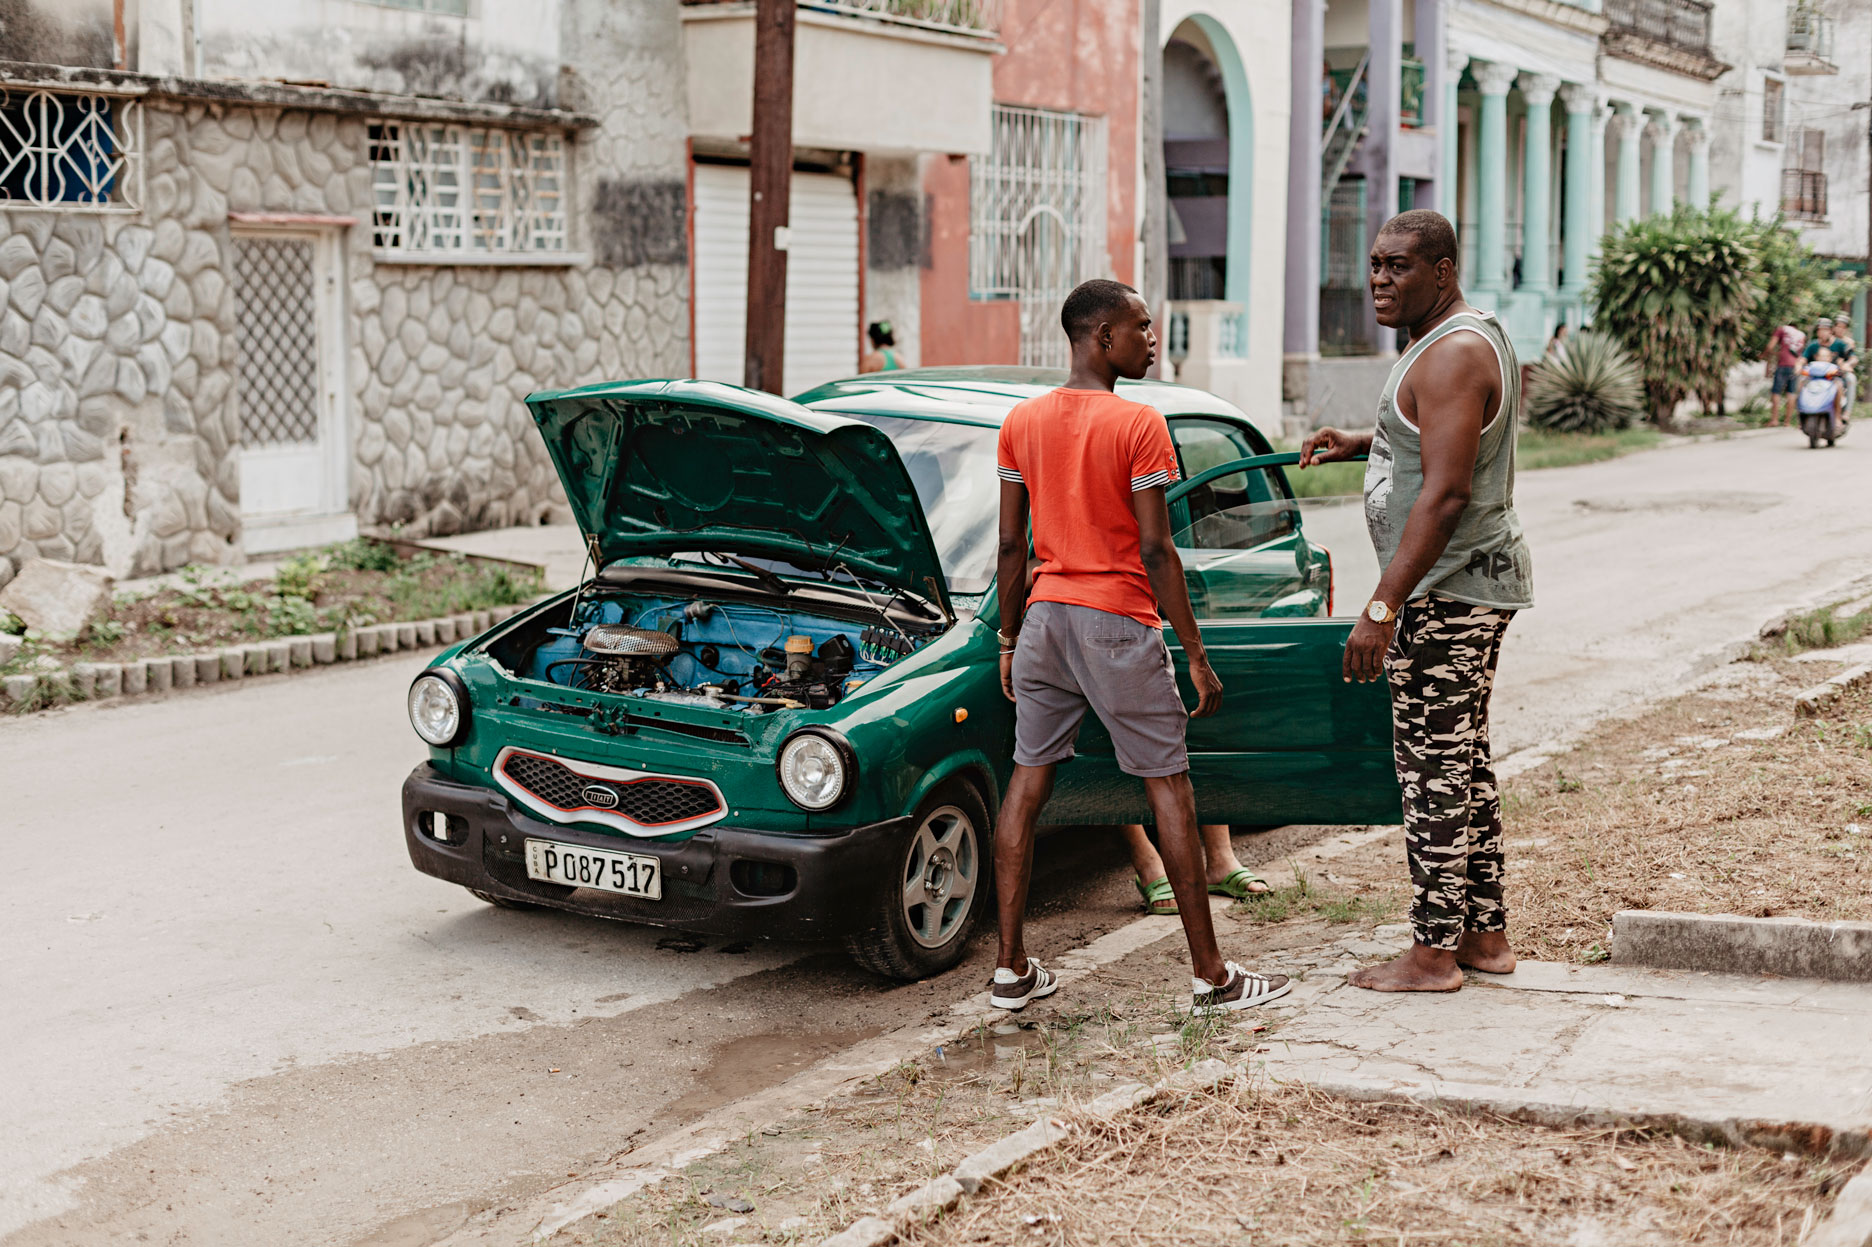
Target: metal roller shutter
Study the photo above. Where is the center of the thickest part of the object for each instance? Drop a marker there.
(822, 277)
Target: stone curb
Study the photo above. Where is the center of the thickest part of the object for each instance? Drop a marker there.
(1002, 1157)
(1809, 1138)
(1788, 947)
(1808, 702)
(97, 681)
(1851, 1222)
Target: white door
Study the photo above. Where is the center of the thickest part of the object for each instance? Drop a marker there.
(822, 277)
(289, 380)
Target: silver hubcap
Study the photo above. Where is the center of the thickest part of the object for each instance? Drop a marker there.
(940, 875)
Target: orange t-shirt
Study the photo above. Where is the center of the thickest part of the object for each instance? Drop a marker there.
(1082, 454)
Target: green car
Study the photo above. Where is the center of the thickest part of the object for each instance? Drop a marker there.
(774, 708)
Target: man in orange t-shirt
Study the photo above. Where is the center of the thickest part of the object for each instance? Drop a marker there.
(1092, 468)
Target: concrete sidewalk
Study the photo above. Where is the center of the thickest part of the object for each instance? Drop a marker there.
(1761, 1061)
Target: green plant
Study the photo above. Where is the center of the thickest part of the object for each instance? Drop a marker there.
(301, 577)
(11, 624)
(1797, 285)
(1591, 386)
(361, 554)
(104, 633)
(1678, 292)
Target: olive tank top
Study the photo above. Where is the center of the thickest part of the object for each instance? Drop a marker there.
(1486, 562)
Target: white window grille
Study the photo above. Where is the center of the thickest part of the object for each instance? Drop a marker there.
(1037, 219)
(62, 150)
(466, 192)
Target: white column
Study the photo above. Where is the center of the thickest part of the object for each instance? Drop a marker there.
(1626, 124)
(1576, 217)
(1663, 135)
(1493, 79)
(1601, 116)
(1698, 136)
(1537, 174)
(1449, 195)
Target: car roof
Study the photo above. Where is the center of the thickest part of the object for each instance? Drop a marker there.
(984, 395)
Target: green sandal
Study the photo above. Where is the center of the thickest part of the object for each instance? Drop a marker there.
(1159, 899)
(1240, 884)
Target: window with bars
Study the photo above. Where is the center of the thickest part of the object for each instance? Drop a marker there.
(467, 192)
(1037, 219)
(1771, 110)
(60, 150)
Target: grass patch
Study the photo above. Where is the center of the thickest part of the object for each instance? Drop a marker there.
(1534, 449)
(1325, 480)
(1539, 448)
(1302, 898)
(1826, 627)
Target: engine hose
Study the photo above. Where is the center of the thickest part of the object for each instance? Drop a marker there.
(785, 703)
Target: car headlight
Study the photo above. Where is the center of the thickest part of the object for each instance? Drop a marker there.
(438, 707)
(816, 771)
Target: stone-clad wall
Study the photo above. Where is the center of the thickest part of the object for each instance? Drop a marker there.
(119, 417)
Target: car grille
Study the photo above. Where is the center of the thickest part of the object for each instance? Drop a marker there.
(649, 802)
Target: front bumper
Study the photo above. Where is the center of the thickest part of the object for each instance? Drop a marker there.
(802, 887)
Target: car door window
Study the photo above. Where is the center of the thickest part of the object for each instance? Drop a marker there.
(1222, 523)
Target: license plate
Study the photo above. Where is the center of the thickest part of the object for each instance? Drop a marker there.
(552, 862)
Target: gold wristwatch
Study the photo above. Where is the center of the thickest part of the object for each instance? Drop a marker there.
(1378, 612)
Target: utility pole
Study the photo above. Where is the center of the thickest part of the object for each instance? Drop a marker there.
(770, 161)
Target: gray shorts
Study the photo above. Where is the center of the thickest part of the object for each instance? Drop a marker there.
(1073, 657)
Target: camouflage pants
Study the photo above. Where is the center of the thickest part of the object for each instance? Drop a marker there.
(1441, 669)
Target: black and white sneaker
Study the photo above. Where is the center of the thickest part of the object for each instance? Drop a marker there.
(1007, 992)
(1244, 990)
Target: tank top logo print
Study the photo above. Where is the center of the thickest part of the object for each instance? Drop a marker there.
(1378, 484)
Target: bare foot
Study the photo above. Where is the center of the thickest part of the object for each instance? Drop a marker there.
(1419, 970)
(1487, 951)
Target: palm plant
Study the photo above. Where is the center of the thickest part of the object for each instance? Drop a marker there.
(1589, 385)
(1678, 292)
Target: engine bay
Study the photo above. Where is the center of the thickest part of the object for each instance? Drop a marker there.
(721, 655)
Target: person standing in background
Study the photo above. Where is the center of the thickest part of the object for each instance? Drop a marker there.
(882, 357)
(1783, 354)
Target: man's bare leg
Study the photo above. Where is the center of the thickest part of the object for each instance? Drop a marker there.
(1219, 860)
(1144, 859)
(1026, 796)
(1421, 969)
(1173, 804)
(1487, 951)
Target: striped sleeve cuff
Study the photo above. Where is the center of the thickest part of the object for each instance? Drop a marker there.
(1150, 480)
(1008, 474)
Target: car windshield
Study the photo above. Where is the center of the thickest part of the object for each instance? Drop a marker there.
(952, 467)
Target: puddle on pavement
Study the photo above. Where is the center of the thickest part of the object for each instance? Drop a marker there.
(740, 1067)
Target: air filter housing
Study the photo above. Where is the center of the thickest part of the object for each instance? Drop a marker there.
(621, 642)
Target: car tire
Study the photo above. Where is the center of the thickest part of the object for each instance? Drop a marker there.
(500, 902)
(951, 843)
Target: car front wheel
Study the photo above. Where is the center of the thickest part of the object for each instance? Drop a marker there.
(938, 886)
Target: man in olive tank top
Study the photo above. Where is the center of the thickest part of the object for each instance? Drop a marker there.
(1439, 502)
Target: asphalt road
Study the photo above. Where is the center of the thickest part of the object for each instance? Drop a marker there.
(236, 1015)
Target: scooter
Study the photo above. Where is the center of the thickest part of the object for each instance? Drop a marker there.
(1831, 425)
(1823, 424)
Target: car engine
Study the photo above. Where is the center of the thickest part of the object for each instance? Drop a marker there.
(723, 656)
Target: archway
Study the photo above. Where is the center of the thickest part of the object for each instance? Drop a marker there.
(1208, 163)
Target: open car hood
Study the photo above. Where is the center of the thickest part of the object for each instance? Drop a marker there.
(658, 467)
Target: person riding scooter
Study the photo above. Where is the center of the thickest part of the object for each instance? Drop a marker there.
(1819, 399)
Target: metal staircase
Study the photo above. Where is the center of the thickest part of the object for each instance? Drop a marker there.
(1345, 131)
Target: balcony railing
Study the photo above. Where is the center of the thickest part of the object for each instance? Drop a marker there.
(1809, 41)
(1681, 24)
(1804, 194)
(979, 18)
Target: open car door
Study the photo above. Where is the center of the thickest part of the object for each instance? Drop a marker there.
(1293, 741)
